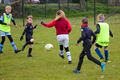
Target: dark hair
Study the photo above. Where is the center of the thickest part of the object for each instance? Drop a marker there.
(85, 20)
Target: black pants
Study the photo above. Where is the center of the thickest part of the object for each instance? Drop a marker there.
(86, 51)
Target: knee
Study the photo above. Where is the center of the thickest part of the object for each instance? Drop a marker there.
(31, 40)
(31, 46)
(3, 40)
(10, 38)
(89, 57)
(67, 49)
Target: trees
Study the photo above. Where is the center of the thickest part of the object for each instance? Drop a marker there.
(83, 4)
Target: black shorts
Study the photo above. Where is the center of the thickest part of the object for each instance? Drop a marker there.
(99, 46)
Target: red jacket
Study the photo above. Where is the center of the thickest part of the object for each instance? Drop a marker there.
(62, 26)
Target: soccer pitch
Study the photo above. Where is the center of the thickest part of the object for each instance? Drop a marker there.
(47, 65)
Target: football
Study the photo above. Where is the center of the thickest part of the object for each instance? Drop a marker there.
(48, 47)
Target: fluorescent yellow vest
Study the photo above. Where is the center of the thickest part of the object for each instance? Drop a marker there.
(103, 36)
(7, 20)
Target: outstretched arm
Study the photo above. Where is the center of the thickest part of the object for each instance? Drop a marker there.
(13, 21)
(21, 38)
(50, 24)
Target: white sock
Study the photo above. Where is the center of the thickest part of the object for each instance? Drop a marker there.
(69, 56)
(61, 52)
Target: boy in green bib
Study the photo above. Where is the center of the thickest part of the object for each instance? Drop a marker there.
(102, 33)
(5, 21)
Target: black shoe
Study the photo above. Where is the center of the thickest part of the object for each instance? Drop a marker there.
(29, 55)
(16, 51)
(69, 62)
(62, 56)
(76, 71)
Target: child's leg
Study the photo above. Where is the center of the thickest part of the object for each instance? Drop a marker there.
(2, 43)
(30, 50)
(23, 47)
(68, 55)
(13, 44)
(106, 54)
(81, 57)
(98, 52)
(66, 46)
(90, 57)
(61, 53)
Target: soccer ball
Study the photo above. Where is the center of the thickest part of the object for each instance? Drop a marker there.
(48, 47)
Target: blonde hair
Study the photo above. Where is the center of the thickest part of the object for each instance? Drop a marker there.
(30, 16)
(100, 16)
(8, 7)
(60, 12)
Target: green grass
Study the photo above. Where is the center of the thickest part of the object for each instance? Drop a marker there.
(46, 65)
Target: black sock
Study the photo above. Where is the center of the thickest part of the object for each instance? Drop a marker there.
(29, 51)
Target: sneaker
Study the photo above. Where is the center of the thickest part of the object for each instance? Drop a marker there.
(103, 66)
(69, 62)
(107, 61)
(16, 51)
(62, 56)
(76, 71)
(29, 55)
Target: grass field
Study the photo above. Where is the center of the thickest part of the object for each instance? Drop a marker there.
(46, 65)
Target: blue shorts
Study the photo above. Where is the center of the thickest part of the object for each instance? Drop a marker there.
(2, 33)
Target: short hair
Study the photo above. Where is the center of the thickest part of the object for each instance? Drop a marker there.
(85, 20)
(30, 16)
(6, 7)
(100, 16)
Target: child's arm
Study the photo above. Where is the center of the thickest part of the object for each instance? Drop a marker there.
(94, 37)
(82, 37)
(1, 20)
(97, 29)
(69, 26)
(79, 40)
(50, 24)
(35, 26)
(21, 38)
(13, 21)
(110, 32)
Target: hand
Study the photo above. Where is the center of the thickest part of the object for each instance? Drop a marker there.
(21, 38)
(58, 17)
(42, 22)
(35, 26)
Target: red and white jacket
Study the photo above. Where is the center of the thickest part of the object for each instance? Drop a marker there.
(62, 26)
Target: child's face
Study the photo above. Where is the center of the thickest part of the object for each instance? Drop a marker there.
(29, 20)
(8, 9)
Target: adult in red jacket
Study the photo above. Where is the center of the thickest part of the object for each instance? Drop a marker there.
(63, 28)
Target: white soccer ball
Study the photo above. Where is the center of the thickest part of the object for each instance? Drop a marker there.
(48, 46)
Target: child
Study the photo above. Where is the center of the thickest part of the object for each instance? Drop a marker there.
(86, 34)
(63, 28)
(103, 33)
(5, 21)
(28, 31)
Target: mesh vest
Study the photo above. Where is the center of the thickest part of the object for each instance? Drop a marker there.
(103, 36)
(7, 20)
